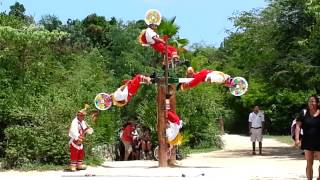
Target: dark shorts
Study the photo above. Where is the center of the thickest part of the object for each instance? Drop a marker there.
(310, 143)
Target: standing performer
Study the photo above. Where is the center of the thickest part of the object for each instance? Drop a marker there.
(206, 75)
(124, 94)
(77, 132)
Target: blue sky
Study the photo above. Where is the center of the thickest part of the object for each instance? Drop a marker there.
(200, 21)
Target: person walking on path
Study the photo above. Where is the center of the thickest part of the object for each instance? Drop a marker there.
(309, 122)
(256, 125)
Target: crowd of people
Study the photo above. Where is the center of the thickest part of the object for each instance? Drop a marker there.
(136, 140)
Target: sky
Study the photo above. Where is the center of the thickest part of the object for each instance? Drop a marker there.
(200, 21)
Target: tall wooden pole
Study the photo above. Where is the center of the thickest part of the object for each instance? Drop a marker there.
(162, 124)
(162, 120)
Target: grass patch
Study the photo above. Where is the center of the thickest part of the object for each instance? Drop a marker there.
(203, 150)
(93, 160)
(39, 167)
(284, 139)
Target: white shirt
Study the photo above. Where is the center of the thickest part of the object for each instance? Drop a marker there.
(74, 129)
(256, 119)
(74, 134)
(150, 33)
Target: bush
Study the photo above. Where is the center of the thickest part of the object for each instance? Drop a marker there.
(199, 111)
(28, 144)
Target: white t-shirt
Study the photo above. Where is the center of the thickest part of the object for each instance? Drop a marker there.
(150, 33)
(256, 119)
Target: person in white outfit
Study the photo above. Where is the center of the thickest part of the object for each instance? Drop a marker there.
(77, 131)
(256, 125)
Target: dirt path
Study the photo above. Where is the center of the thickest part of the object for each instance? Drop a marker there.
(278, 161)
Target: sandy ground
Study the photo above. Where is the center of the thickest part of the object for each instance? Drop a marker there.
(279, 161)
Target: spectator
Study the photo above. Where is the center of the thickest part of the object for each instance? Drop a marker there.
(136, 143)
(309, 122)
(127, 139)
(146, 143)
(256, 125)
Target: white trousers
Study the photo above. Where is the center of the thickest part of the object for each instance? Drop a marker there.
(217, 77)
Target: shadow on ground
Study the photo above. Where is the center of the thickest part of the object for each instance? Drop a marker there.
(274, 152)
(150, 167)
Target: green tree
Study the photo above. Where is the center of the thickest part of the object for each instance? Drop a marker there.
(17, 10)
(50, 22)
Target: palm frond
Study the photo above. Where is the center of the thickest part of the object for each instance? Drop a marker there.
(172, 20)
(168, 27)
(183, 42)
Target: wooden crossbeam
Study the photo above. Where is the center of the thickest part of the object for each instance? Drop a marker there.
(172, 80)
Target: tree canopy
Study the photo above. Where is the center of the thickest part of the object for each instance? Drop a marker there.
(50, 69)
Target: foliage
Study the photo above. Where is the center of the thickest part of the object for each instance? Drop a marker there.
(51, 22)
(271, 48)
(284, 139)
(49, 70)
(200, 120)
(17, 10)
(34, 145)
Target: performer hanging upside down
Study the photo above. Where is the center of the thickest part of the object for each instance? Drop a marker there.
(150, 37)
(124, 94)
(173, 128)
(206, 75)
